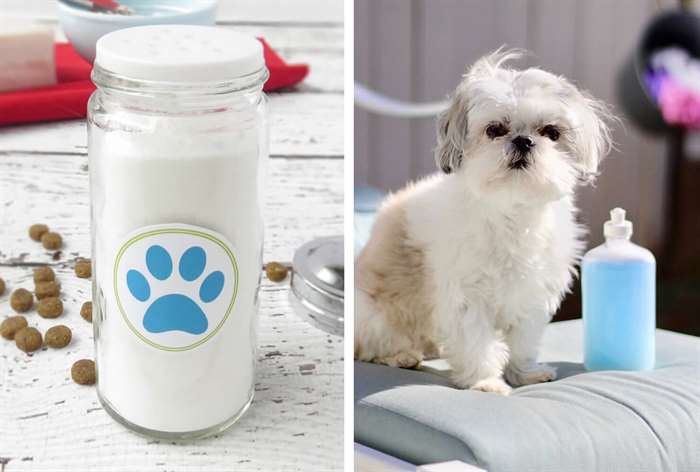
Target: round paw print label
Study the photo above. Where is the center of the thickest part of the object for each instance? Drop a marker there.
(175, 285)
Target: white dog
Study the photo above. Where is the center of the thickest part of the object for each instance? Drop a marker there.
(473, 262)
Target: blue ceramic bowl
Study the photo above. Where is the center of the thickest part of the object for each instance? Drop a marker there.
(84, 27)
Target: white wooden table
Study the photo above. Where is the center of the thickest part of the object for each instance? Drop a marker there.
(296, 422)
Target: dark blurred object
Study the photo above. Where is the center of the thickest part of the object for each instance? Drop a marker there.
(674, 28)
(637, 104)
(678, 291)
(679, 28)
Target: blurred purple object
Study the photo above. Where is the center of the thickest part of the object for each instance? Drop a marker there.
(654, 81)
(673, 80)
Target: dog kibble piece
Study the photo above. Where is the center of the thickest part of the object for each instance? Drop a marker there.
(86, 311)
(50, 307)
(2, 286)
(37, 231)
(46, 289)
(51, 241)
(28, 339)
(275, 271)
(44, 274)
(10, 326)
(58, 336)
(83, 268)
(21, 300)
(83, 372)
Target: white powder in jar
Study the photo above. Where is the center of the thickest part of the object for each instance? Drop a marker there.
(177, 135)
(167, 177)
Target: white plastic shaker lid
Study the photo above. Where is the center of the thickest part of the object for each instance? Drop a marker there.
(617, 226)
(179, 53)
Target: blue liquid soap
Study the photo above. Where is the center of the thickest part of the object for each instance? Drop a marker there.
(619, 301)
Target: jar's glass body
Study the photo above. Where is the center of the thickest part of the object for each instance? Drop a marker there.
(176, 177)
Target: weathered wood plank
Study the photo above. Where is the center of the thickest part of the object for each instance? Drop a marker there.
(258, 11)
(301, 124)
(325, 70)
(321, 48)
(50, 423)
(304, 201)
(279, 11)
(296, 38)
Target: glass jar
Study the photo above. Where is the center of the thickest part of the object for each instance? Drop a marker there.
(177, 139)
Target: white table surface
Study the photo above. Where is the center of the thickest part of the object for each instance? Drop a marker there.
(296, 422)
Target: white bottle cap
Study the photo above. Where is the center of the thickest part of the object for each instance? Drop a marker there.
(179, 53)
(617, 226)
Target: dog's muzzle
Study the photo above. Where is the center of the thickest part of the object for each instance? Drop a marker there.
(522, 145)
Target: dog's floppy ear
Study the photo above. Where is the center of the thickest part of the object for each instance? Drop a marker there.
(592, 137)
(451, 130)
(452, 123)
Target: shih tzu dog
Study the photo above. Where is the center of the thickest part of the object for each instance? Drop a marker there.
(471, 263)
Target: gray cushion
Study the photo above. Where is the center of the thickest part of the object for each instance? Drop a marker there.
(585, 421)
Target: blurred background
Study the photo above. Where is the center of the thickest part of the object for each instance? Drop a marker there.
(417, 51)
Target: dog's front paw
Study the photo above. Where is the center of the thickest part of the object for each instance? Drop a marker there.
(492, 385)
(532, 374)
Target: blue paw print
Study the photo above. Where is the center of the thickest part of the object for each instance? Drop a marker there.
(175, 312)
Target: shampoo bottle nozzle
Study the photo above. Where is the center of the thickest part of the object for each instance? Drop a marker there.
(617, 226)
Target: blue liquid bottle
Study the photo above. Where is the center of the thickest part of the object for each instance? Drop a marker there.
(619, 301)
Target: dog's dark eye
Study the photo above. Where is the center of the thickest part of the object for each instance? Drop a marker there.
(496, 130)
(550, 131)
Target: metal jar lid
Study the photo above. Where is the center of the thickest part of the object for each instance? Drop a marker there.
(318, 283)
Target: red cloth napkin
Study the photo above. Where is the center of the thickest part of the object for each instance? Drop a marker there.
(68, 98)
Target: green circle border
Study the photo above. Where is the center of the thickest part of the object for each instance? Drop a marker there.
(190, 232)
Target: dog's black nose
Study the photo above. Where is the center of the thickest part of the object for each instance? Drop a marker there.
(523, 144)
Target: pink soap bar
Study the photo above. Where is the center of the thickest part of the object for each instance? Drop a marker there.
(26, 55)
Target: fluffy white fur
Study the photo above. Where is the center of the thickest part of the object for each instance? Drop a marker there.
(473, 262)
